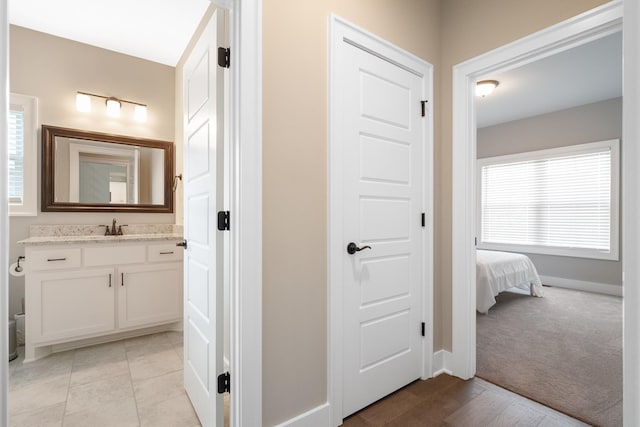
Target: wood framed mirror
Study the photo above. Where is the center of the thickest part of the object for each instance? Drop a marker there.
(86, 171)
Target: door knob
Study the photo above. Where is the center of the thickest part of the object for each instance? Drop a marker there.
(352, 248)
(183, 244)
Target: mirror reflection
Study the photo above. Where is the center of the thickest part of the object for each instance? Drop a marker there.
(101, 172)
(90, 171)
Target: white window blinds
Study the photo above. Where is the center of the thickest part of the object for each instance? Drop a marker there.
(16, 155)
(559, 201)
(22, 148)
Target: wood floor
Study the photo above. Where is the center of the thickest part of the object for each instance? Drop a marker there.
(450, 401)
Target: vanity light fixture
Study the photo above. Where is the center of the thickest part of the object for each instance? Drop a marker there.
(83, 102)
(114, 105)
(485, 87)
(140, 113)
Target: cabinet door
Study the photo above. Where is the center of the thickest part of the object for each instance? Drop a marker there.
(72, 304)
(149, 294)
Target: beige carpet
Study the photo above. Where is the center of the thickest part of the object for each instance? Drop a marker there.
(563, 350)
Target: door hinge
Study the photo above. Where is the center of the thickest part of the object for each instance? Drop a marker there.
(224, 383)
(424, 107)
(223, 220)
(224, 57)
(476, 241)
(424, 326)
(424, 219)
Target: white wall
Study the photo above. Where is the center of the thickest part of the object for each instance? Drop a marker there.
(588, 123)
(53, 69)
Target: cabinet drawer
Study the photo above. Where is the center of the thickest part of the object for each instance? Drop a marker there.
(54, 258)
(114, 255)
(165, 252)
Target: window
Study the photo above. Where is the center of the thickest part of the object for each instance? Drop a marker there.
(562, 201)
(22, 156)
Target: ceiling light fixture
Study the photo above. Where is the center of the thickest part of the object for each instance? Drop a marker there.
(485, 87)
(114, 105)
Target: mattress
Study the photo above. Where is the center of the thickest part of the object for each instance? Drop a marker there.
(498, 271)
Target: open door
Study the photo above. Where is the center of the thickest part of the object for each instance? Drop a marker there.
(203, 198)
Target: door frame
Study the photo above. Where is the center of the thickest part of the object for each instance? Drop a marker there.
(4, 216)
(245, 195)
(246, 208)
(578, 30)
(339, 30)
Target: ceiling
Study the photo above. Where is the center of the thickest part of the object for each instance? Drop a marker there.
(159, 31)
(582, 75)
(156, 30)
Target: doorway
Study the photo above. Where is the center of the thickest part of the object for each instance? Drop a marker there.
(582, 29)
(245, 23)
(541, 115)
(577, 31)
(380, 213)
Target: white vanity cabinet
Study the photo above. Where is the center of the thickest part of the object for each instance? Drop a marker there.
(149, 294)
(71, 303)
(80, 291)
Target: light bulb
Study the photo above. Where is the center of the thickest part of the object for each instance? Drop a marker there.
(113, 107)
(140, 113)
(83, 102)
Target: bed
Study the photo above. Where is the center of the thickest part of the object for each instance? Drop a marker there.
(498, 271)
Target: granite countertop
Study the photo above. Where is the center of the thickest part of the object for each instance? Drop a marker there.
(69, 234)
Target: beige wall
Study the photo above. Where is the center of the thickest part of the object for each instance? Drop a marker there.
(599, 121)
(471, 28)
(53, 69)
(295, 43)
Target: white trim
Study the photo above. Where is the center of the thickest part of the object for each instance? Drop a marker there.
(631, 213)
(4, 216)
(591, 25)
(441, 363)
(320, 416)
(341, 31)
(612, 145)
(582, 285)
(246, 211)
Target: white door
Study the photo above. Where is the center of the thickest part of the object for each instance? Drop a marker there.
(382, 137)
(203, 179)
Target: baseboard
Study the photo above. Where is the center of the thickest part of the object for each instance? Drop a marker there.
(442, 363)
(320, 416)
(582, 285)
(110, 337)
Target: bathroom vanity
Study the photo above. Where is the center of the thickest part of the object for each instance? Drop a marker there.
(83, 287)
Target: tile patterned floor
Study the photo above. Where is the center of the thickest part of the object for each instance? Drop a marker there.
(133, 382)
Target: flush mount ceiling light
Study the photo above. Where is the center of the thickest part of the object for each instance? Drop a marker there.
(485, 87)
(114, 105)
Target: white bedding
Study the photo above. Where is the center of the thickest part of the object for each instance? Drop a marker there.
(499, 271)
